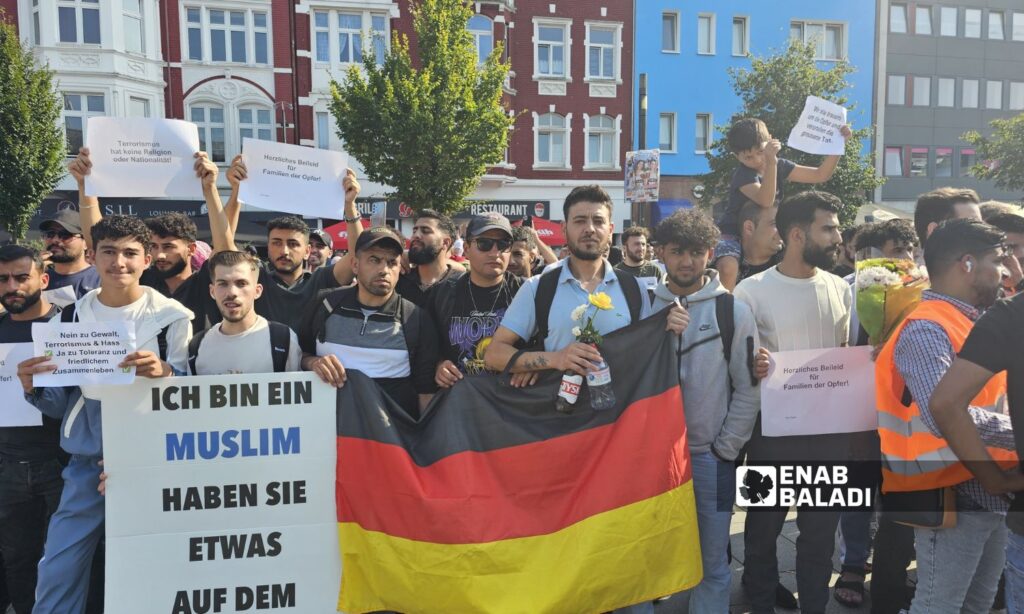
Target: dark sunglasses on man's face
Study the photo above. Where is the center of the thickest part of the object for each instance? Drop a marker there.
(486, 245)
(63, 235)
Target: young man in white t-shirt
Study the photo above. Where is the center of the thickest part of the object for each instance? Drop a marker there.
(798, 305)
(243, 342)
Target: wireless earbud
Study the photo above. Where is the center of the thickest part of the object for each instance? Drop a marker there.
(970, 266)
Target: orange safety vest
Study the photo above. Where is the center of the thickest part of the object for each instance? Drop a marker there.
(912, 457)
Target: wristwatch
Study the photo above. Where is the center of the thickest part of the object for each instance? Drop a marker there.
(353, 220)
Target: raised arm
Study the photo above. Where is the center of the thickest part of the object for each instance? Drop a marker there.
(547, 254)
(821, 174)
(236, 175)
(343, 267)
(763, 193)
(223, 234)
(88, 206)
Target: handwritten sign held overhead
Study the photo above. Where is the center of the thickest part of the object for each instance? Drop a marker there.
(817, 132)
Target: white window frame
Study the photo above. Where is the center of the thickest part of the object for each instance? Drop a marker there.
(943, 11)
(616, 47)
(478, 33)
(844, 52)
(333, 30)
(1016, 102)
(351, 33)
(137, 20)
(708, 134)
(925, 10)
(186, 40)
(980, 15)
(893, 9)
(566, 26)
(36, 29)
(206, 33)
(950, 91)
(675, 15)
(613, 133)
(255, 126)
(712, 25)
(146, 103)
(892, 82)
(1017, 26)
(1002, 26)
(965, 90)
(84, 113)
(673, 132)
(915, 83)
(207, 126)
(566, 131)
(323, 133)
(79, 7)
(990, 98)
(745, 39)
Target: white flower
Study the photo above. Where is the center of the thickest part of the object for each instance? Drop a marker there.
(577, 314)
(576, 332)
(877, 276)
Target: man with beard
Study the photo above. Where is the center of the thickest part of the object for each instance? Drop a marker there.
(965, 260)
(720, 394)
(468, 309)
(371, 328)
(520, 262)
(71, 276)
(1013, 225)
(321, 248)
(173, 241)
(30, 456)
(243, 341)
(433, 235)
(635, 260)
(798, 305)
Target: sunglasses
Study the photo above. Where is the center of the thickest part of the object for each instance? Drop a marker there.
(63, 235)
(485, 245)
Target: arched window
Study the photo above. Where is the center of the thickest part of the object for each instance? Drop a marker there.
(551, 140)
(483, 36)
(209, 118)
(601, 148)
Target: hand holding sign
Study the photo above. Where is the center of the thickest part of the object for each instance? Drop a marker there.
(822, 128)
(294, 179)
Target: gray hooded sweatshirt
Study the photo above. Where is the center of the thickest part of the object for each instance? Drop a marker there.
(717, 420)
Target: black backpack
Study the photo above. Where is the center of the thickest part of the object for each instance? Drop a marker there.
(725, 314)
(548, 284)
(67, 314)
(280, 346)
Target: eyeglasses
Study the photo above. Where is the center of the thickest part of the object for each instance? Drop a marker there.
(485, 245)
(63, 235)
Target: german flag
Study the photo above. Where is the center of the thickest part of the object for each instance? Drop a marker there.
(495, 502)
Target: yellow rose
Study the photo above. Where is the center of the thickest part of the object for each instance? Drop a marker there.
(481, 347)
(601, 301)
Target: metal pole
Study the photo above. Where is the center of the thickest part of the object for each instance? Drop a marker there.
(643, 112)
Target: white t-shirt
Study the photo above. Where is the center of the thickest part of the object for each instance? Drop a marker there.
(798, 314)
(246, 352)
(178, 333)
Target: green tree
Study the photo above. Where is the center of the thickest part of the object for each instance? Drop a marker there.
(30, 139)
(774, 90)
(1001, 156)
(428, 128)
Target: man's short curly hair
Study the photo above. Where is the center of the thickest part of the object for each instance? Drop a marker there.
(116, 227)
(174, 226)
(691, 229)
(520, 233)
(289, 222)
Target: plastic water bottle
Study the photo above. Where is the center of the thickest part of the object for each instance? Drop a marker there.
(599, 383)
(568, 392)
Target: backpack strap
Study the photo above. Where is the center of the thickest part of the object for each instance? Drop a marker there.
(67, 314)
(329, 301)
(193, 350)
(546, 287)
(280, 345)
(161, 342)
(410, 327)
(634, 296)
(726, 316)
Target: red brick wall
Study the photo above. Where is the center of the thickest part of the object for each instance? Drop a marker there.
(10, 9)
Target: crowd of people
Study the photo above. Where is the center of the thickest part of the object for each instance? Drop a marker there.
(772, 275)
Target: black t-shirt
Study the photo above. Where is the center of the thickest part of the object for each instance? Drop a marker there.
(466, 314)
(284, 304)
(193, 293)
(744, 175)
(749, 270)
(409, 287)
(647, 269)
(28, 443)
(842, 270)
(83, 281)
(996, 343)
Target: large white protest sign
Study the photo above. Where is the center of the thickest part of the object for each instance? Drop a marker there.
(220, 495)
(86, 353)
(817, 131)
(15, 410)
(141, 157)
(813, 392)
(294, 179)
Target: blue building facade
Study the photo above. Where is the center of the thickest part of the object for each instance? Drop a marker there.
(686, 48)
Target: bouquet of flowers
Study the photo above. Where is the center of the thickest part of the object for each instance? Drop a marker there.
(600, 301)
(887, 289)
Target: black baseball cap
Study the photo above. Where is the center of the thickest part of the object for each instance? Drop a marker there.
(376, 236)
(480, 224)
(68, 219)
(323, 236)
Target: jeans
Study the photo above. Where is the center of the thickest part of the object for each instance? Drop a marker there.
(714, 488)
(856, 531)
(29, 494)
(1014, 572)
(958, 568)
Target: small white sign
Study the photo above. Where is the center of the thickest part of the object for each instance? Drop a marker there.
(15, 410)
(817, 132)
(294, 179)
(815, 392)
(86, 353)
(138, 157)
